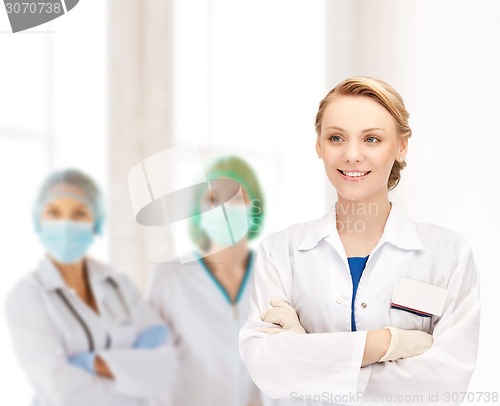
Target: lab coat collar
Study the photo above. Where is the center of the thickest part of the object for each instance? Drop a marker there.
(51, 279)
(317, 230)
(399, 230)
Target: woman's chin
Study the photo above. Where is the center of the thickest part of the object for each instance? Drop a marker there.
(351, 196)
(362, 194)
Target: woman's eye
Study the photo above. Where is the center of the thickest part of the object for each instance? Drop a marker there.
(81, 214)
(335, 138)
(372, 140)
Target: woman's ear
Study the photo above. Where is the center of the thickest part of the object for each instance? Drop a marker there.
(403, 149)
(318, 147)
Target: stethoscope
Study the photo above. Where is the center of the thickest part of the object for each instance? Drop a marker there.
(82, 322)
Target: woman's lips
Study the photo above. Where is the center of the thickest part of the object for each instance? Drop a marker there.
(353, 176)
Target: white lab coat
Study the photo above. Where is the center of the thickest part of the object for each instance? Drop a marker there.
(205, 328)
(45, 333)
(306, 265)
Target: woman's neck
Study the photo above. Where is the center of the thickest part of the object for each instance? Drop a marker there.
(363, 217)
(75, 277)
(72, 274)
(231, 259)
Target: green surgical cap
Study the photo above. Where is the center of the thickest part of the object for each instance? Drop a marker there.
(235, 168)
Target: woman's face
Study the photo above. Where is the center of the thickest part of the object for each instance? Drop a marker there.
(67, 208)
(224, 232)
(359, 144)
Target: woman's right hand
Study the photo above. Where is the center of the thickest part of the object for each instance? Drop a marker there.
(283, 315)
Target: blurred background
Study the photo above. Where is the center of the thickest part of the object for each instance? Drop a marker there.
(113, 82)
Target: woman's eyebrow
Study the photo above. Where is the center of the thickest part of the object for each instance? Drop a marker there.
(335, 128)
(364, 131)
(373, 129)
(81, 206)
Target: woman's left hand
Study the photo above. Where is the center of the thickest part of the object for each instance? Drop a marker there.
(283, 315)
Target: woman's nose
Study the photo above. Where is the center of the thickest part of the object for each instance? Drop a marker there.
(353, 153)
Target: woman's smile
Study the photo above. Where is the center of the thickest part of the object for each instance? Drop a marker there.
(353, 176)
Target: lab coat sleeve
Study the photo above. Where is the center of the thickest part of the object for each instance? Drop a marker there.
(288, 365)
(141, 372)
(447, 367)
(41, 353)
(159, 295)
(160, 298)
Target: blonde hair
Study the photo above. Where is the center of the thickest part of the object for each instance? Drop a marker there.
(383, 94)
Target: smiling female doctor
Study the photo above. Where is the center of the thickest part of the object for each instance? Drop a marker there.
(363, 305)
(80, 330)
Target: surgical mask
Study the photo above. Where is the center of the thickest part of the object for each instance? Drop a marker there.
(216, 226)
(67, 241)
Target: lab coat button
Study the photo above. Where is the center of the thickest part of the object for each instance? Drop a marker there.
(363, 305)
(339, 301)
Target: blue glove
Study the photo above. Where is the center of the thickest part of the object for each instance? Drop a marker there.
(152, 337)
(84, 360)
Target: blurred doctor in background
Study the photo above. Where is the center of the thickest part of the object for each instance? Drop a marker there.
(206, 302)
(81, 330)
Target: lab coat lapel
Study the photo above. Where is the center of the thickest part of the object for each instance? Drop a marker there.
(323, 229)
(108, 297)
(97, 274)
(49, 276)
(113, 304)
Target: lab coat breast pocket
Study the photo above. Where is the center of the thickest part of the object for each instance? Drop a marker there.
(406, 320)
(415, 303)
